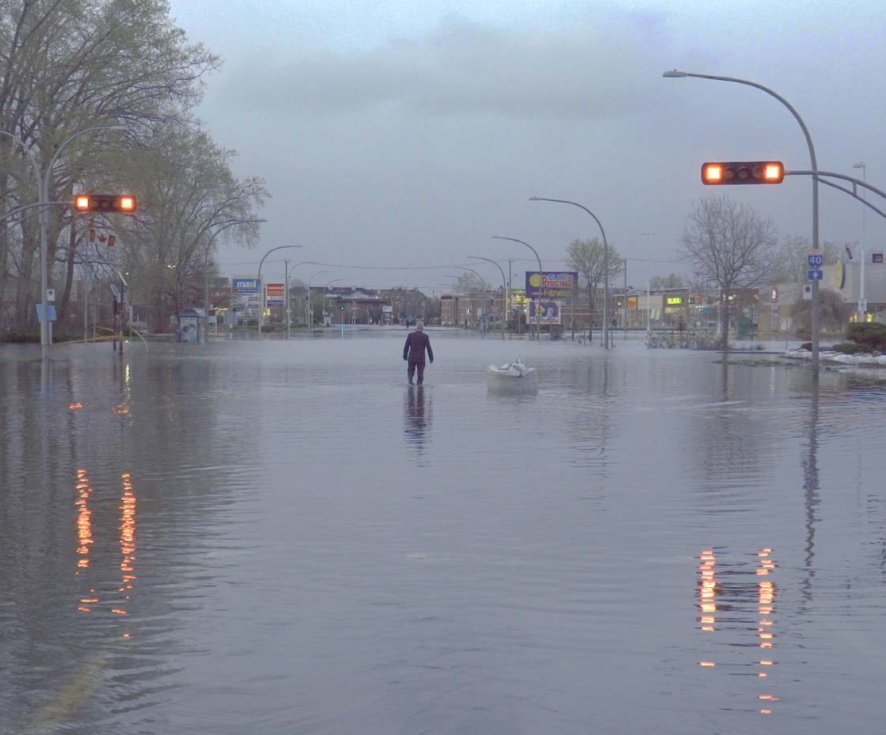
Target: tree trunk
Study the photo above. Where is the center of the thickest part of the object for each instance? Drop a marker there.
(69, 274)
(724, 319)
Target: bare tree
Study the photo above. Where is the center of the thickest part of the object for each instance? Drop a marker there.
(471, 283)
(587, 258)
(190, 199)
(69, 65)
(673, 280)
(727, 245)
(789, 259)
(833, 312)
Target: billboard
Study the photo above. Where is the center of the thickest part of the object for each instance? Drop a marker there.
(274, 294)
(544, 312)
(245, 285)
(551, 284)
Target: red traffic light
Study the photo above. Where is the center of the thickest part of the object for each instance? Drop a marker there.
(742, 172)
(105, 203)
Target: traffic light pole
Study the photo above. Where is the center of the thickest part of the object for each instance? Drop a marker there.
(816, 330)
(851, 192)
(42, 181)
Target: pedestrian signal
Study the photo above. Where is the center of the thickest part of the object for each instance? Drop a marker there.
(105, 203)
(742, 172)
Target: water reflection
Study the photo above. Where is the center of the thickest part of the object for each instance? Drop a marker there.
(416, 417)
(127, 544)
(811, 495)
(200, 540)
(84, 520)
(735, 599)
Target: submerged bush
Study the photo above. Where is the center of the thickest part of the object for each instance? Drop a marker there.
(850, 348)
(18, 337)
(870, 334)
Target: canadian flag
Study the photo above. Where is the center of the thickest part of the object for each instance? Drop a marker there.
(112, 240)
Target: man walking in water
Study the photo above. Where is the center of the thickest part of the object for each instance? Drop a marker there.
(414, 353)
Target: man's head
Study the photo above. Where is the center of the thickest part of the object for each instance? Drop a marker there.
(419, 326)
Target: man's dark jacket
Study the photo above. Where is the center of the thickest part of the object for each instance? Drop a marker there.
(414, 349)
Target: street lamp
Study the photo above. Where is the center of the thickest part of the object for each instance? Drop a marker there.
(261, 288)
(676, 74)
(605, 262)
(505, 291)
(42, 181)
(482, 284)
(325, 289)
(309, 312)
(540, 271)
(224, 226)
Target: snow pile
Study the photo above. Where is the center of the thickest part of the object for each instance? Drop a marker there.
(838, 358)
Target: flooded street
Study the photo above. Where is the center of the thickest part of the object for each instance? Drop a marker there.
(282, 537)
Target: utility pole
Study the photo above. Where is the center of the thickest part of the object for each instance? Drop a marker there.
(862, 301)
(286, 293)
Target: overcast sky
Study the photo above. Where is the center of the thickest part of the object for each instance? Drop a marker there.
(396, 135)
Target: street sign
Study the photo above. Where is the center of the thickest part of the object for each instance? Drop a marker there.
(814, 275)
(50, 312)
(275, 294)
(815, 259)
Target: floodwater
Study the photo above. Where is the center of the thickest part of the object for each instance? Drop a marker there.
(282, 537)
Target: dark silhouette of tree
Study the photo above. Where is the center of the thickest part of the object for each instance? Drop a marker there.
(729, 246)
(587, 258)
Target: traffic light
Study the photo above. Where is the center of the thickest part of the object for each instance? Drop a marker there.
(742, 172)
(105, 203)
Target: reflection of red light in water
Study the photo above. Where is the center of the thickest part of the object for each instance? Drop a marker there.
(127, 539)
(75, 406)
(737, 596)
(707, 590)
(765, 605)
(84, 519)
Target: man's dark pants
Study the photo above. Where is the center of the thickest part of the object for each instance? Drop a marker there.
(416, 366)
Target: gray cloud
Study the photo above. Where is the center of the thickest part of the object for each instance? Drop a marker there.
(463, 69)
(416, 151)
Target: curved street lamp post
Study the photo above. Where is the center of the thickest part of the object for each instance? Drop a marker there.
(224, 226)
(605, 262)
(261, 288)
(677, 74)
(325, 289)
(540, 271)
(505, 293)
(482, 280)
(309, 312)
